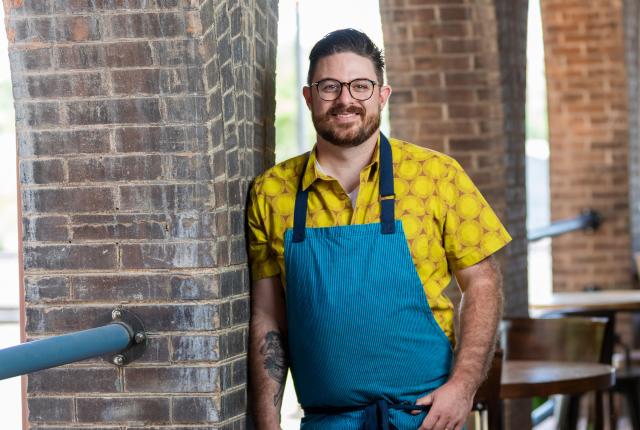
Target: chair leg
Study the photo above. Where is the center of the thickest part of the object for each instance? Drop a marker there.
(573, 412)
(599, 411)
(494, 414)
(613, 417)
(633, 403)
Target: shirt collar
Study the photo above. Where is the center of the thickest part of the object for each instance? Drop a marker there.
(311, 173)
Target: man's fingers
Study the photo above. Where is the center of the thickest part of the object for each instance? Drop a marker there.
(423, 401)
(437, 420)
(426, 400)
(444, 423)
(433, 421)
(430, 422)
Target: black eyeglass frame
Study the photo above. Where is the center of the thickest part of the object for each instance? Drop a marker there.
(342, 84)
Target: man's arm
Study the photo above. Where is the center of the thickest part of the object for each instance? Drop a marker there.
(480, 313)
(268, 361)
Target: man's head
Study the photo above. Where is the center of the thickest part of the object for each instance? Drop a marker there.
(346, 113)
(346, 40)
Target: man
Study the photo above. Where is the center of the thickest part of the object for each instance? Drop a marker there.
(351, 247)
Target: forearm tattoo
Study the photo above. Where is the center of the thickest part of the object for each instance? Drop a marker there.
(275, 361)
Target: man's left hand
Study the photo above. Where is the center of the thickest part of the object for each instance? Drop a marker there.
(450, 406)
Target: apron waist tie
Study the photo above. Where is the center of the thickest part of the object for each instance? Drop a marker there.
(376, 415)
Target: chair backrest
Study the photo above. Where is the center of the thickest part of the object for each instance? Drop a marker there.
(553, 339)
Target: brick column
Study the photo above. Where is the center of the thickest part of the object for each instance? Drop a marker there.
(589, 137)
(631, 13)
(139, 126)
(458, 71)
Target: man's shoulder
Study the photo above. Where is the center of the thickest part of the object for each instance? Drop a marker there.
(407, 151)
(282, 176)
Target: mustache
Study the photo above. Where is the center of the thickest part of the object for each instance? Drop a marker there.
(336, 110)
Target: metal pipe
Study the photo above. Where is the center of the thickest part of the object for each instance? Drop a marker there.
(542, 412)
(589, 220)
(67, 348)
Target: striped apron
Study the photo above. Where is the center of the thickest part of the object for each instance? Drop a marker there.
(363, 343)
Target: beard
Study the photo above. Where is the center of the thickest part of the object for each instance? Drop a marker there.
(346, 135)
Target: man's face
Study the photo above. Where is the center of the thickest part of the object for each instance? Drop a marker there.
(346, 121)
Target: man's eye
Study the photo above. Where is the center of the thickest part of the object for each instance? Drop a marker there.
(329, 88)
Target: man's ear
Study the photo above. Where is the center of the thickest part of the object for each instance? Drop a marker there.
(385, 92)
(306, 93)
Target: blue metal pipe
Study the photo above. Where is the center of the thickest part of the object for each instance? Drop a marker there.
(68, 348)
(589, 220)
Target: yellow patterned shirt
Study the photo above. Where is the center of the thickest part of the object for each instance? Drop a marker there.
(447, 222)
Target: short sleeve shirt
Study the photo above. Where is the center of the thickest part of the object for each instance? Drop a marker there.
(447, 222)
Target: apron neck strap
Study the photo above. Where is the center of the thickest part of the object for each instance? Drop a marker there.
(300, 210)
(387, 195)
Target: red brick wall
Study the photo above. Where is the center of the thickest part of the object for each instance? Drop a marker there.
(139, 125)
(457, 69)
(589, 138)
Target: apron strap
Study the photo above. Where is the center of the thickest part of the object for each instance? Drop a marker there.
(300, 210)
(376, 416)
(387, 195)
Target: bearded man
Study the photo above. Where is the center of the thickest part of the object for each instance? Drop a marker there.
(351, 247)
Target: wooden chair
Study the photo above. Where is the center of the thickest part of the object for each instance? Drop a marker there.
(487, 401)
(558, 339)
(627, 367)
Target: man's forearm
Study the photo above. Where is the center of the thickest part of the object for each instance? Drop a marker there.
(268, 365)
(480, 313)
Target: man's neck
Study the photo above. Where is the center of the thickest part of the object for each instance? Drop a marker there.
(345, 164)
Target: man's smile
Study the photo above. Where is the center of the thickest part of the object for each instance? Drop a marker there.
(346, 117)
(343, 115)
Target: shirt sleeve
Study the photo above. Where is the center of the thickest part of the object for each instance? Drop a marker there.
(263, 262)
(472, 231)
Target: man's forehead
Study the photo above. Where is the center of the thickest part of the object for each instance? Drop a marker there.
(344, 63)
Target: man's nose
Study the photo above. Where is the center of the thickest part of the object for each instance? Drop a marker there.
(345, 94)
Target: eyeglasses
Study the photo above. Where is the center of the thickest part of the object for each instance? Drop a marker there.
(330, 89)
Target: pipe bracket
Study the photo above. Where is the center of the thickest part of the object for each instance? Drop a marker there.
(137, 334)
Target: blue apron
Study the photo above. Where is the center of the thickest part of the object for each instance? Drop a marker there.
(363, 343)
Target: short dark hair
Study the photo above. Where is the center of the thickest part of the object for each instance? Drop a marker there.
(346, 40)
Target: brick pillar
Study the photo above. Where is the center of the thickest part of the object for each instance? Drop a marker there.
(589, 139)
(139, 126)
(458, 71)
(631, 13)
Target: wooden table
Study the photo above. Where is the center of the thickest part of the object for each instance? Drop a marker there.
(522, 379)
(603, 303)
(588, 302)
